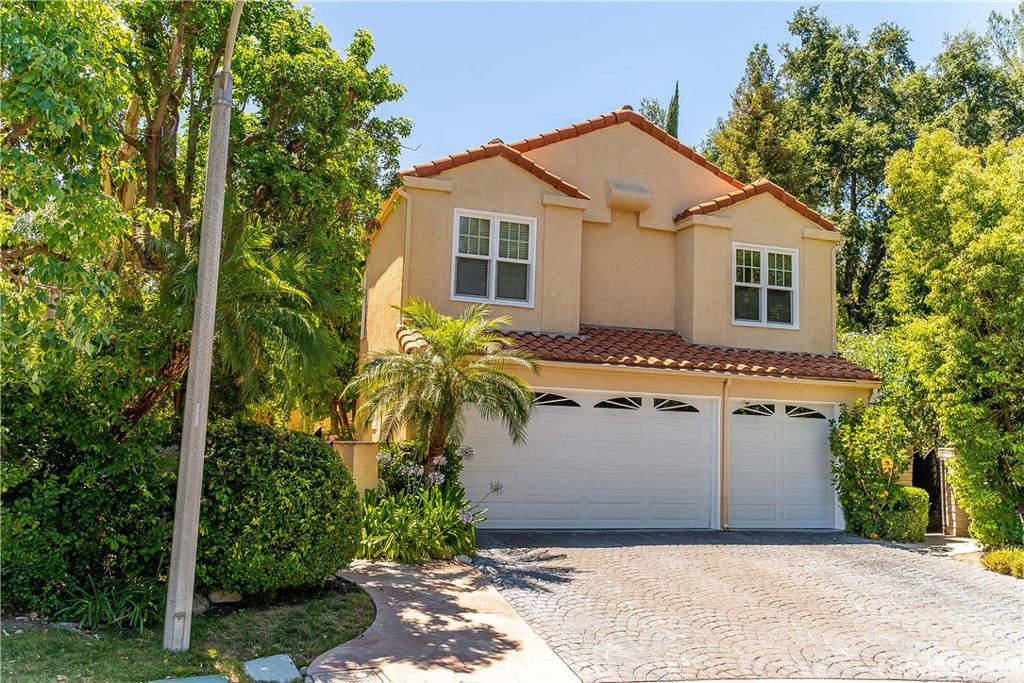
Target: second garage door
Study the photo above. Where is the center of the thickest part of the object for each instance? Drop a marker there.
(600, 461)
(779, 474)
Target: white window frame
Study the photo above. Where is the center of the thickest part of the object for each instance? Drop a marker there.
(765, 250)
(493, 259)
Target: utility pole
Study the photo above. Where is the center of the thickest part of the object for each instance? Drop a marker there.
(182, 574)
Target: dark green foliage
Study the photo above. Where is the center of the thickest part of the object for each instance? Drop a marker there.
(80, 510)
(906, 515)
(1009, 561)
(135, 604)
(280, 510)
(418, 525)
(86, 523)
(672, 115)
(868, 455)
(758, 139)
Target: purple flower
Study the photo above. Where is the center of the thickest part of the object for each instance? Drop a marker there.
(497, 488)
(466, 516)
(435, 478)
(412, 471)
(466, 452)
(440, 460)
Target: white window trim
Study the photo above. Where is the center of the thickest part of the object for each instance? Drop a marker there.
(493, 259)
(737, 246)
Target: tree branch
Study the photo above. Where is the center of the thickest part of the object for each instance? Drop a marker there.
(19, 129)
(20, 253)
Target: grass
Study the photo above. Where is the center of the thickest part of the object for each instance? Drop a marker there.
(220, 644)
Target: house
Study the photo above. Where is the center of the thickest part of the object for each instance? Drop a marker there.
(686, 322)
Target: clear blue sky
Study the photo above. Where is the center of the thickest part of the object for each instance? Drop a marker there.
(476, 71)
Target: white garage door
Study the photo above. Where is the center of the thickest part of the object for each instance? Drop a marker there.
(779, 474)
(599, 461)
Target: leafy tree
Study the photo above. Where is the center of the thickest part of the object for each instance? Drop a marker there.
(957, 244)
(462, 361)
(966, 91)
(654, 111)
(1007, 37)
(672, 115)
(105, 110)
(758, 138)
(847, 95)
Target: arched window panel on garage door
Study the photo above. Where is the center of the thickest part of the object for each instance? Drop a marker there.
(756, 409)
(670, 405)
(620, 403)
(804, 412)
(549, 399)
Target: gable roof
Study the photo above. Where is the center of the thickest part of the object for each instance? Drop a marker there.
(614, 118)
(755, 188)
(495, 148)
(667, 350)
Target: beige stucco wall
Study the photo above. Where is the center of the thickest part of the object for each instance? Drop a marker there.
(384, 275)
(626, 152)
(628, 275)
(497, 185)
(704, 269)
(687, 383)
(601, 265)
(361, 459)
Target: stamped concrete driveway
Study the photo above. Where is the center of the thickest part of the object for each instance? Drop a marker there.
(675, 605)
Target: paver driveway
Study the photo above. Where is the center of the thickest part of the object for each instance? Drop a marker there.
(676, 605)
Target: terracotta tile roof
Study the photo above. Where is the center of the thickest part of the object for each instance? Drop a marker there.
(612, 119)
(409, 340)
(488, 151)
(752, 190)
(666, 349)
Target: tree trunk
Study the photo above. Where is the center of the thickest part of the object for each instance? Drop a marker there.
(436, 446)
(172, 371)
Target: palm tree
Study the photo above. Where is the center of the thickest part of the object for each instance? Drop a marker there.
(270, 309)
(461, 361)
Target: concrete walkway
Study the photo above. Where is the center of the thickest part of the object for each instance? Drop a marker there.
(443, 623)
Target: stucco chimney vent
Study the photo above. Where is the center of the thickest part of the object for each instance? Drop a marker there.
(627, 107)
(496, 141)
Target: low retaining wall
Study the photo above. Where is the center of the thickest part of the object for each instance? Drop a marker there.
(361, 459)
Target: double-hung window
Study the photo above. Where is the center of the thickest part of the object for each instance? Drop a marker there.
(493, 258)
(764, 286)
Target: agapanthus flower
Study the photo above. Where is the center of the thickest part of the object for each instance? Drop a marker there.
(440, 460)
(466, 516)
(497, 488)
(383, 457)
(435, 478)
(466, 452)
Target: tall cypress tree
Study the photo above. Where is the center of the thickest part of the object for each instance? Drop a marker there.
(672, 118)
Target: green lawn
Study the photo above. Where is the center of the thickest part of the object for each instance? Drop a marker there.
(220, 644)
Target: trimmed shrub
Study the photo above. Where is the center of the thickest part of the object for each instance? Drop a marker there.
(1009, 561)
(868, 455)
(418, 525)
(101, 514)
(906, 515)
(280, 510)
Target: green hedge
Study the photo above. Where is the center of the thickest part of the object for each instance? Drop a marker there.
(279, 510)
(906, 516)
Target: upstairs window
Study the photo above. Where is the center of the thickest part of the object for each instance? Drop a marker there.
(764, 286)
(493, 258)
